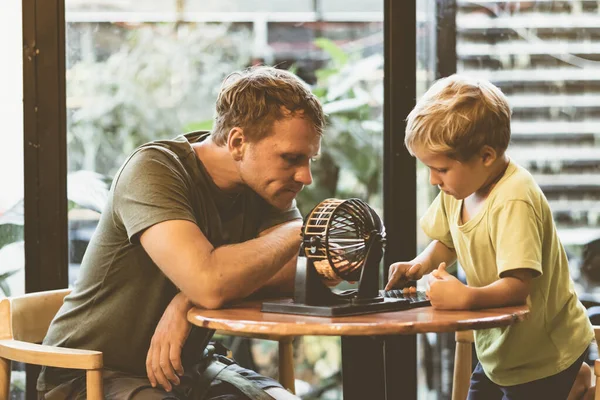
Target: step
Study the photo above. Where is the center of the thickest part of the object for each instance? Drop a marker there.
(555, 130)
(521, 47)
(574, 206)
(555, 154)
(577, 236)
(547, 75)
(568, 182)
(480, 3)
(472, 21)
(544, 100)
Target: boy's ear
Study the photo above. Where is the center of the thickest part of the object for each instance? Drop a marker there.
(488, 155)
(236, 143)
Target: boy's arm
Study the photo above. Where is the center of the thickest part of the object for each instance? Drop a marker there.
(510, 290)
(435, 253)
(448, 293)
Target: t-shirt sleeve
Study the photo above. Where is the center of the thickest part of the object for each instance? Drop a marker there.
(151, 188)
(516, 234)
(435, 223)
(274, 216)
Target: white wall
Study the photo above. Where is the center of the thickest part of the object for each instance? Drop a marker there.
(11, 104)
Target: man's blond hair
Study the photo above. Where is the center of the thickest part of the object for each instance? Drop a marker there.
(457, 116)
(253, 99)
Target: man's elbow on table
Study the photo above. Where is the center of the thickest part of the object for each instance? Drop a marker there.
(208, 301)
(209, 292)
(208, 296)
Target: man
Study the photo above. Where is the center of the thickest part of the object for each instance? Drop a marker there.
(204, 219)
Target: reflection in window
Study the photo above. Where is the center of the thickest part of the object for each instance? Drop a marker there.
(140, 71)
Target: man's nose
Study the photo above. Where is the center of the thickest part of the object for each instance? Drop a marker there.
(303, 175)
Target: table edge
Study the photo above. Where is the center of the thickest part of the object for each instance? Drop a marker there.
(278, 330)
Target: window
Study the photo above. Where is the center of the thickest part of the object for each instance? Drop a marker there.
(140, 71)
(548, 68)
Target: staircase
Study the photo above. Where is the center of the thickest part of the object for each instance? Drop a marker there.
(545, 56)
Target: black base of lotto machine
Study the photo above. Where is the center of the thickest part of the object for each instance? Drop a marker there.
(377, 305)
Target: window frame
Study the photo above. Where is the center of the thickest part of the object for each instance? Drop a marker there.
(45, 170)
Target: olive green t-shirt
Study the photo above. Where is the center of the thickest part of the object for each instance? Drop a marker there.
(120, 294)
(513, 230)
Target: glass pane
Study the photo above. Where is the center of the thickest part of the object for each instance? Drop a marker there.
(139, 71)
(544, 57)
(12, 253)
(428, 357)
(549, 70)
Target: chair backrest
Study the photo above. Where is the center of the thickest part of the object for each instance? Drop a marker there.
(28, 317)
(597, 333)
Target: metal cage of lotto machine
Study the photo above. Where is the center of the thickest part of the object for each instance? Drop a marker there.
(342, 240)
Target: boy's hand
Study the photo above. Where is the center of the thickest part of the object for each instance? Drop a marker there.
(446, 292)
(403, 272)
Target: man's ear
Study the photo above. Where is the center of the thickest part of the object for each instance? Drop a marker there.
(488, 155)
(236, 143)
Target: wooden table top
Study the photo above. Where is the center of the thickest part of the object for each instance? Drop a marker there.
(247, 318)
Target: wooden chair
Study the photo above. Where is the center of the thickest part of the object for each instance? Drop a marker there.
(462, 365)
(597, 363)
(24, 321)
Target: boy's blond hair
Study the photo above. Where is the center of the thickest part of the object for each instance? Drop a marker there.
(253, 99)
(457, 116)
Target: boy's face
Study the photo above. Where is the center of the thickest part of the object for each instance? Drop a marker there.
(460, 179)
(277, 167)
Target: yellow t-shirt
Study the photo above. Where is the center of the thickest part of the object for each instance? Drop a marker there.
(514, 229)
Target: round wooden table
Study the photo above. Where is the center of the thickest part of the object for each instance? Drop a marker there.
(246, 317)
(364, 374)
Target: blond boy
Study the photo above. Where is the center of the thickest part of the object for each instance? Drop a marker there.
(493, 218)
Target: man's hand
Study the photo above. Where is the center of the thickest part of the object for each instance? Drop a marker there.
(331, 280)
(163, 362)
(403, 272)
(446, 292)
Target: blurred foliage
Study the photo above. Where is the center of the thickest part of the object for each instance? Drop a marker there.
(4, 287)
(85, 190)
(350, 88)
(159, 79)
(152, 87)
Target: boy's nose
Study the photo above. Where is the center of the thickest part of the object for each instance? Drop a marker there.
(434, 179)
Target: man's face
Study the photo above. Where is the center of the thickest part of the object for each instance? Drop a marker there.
(278, 166)
(460, 179)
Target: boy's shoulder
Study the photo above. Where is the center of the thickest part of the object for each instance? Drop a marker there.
(516, 184)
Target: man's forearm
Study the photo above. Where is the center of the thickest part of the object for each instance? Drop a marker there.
(435, 254)
(180, 303)
(282, 284)
(241, 269)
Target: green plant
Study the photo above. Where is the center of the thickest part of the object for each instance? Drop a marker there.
(350, 88)
(85, 189)
(3, 284)
(159, 79)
